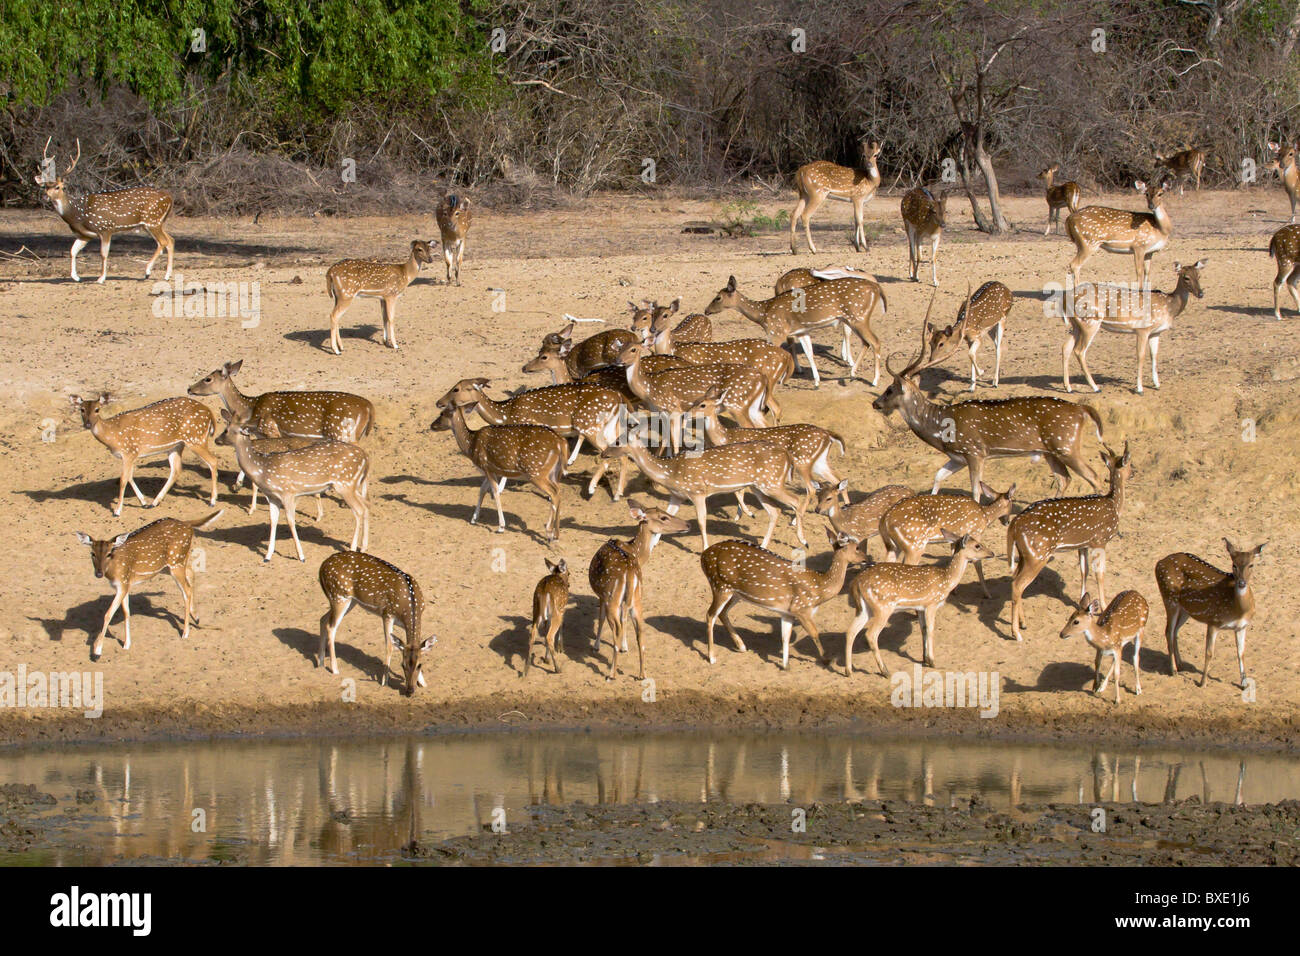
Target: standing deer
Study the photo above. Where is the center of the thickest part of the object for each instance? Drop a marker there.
(860, 521)
(1108, 632)
(1285, 248)
(1284, 161)
(803, 278)
(740, 571)
(1085, 525)
(169, 427)
(368, 278)
(101, 215)
(924, 217)
(275, 442)
(353, 577)
(283, 476)
(616, 575)
(1145, 315)
(454, 219)
(774, 363)
(1194, 589)
(1064, 195)
(882, 589)
(816, 181)
(983, 314)
(1183, 166)
(1119, 230)
(549, 598)
(137, 556)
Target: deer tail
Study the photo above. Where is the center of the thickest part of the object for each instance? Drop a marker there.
(203, 524)
(1272, 248)
(837, 439)
(1011, 547)
(1096, 417)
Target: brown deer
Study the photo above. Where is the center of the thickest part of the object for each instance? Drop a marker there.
(1285, 248)
(531, 453)
(368, 278)
(982, 314)
(551, 358)
(1146, 315)
(593, 352)
(803, 278)
(549, 598)
(283, 476)
(771, 361)
(1085, 525)
(1284, 161)
(740, 571)
(137, 556)
(793, 316)
(169, 427)
(1183, 166)
(339, 416)
(1108, 632)
(353, 577)
(101, 215)
(694, 328)
(924, 217)
(273, 443)
(882, 589)
(616, 575)
(1194, 589)
(1119, 230)
(454, 219)
(1064, 195)
(816, 181)
(861, 520)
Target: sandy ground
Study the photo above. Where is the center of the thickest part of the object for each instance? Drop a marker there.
(249, 668)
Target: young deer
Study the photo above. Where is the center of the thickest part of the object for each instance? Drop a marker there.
(914, 522)
(1284, 161)
(354, 577)
(793, 316)
(169, 427)
(1064, 195)
(1084, 524)
(740, 571)
(1183, 166)
(924, 217)
(1152, 314)
(1119, 230)
(616, 576)
(368, 278)
(815, 181)
(137, 556)
(1194, 589)
(982, 314)
(1285, 248)
(549, 598)
(882, 589)
(283, 476)
(1108, 632)
(454, 219)
(774, 363)
(529, 453)
(101, 215)
(860, 521)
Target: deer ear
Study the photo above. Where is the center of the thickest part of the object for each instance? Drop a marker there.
(1273, 146)
(226, 416)
(843, 485)
(74, 400)
(429, 641)
(121, 539)
(1139, 185)
(949, 536)
(105, 398)
(1228, 544)
(397, 643)
(731, 283)
(1094, 608)
(1200, 263)
(675, 305)
(83, 537)
(1011, 492)
(632, 306)
(1259, 548)
(233, 367)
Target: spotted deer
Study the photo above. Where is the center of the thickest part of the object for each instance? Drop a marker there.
(803, 278)
(739, 571)
(880, 590)
(367, 278)
(1183, 166)
(282, 476)
(793, 316)
(1194, 589)
(910, 525)
(1284, 161)
(1085, 525)
(275, 442)
(136, 556)
(1285, 248)
(860, 520)
(617, 577)
(551, 358)
(1108, 632)
(531, 453)
(982, 314)
(924, 217)
(1146, 315)
(774, 363)
(1060, 196)
(102, 215)
(595, 351)
(549, 598)
(816, 181)
(454, 219)
(1142, 234)
(355, 578)
(170, 427)
(696, 327)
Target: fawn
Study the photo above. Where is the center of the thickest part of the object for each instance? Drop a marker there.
(1108, 631)
(549, 598)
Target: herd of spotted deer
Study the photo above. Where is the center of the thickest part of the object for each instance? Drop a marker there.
(294, 443)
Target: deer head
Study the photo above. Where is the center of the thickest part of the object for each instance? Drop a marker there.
(1243, 564)
(101, 552)
(1192, 276)
(89, 407)
(1084, 619)
(410, 651)
(727, 298)
(215, 381)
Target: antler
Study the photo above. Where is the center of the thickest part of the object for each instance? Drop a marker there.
(917, 363)
(68, 171)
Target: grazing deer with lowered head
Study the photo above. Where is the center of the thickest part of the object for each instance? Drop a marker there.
(1183, 166)
(169, 427)
(882, 589)
(816, 181)
(861, 520)
(454, 219)
(549, 598)
(137, 556)
(1064, 195)
(924, 217)
(616, 575)
(1285, 248)
(367, 278)
(1284, 161)
(982, 314)
(1147, 318)
(354, 577)
(101, 215)
(1194, 589)
(1108, 632)
(1085, 525)
(1120, 230)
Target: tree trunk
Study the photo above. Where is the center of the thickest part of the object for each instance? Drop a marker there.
(981, 223)
(991, 179)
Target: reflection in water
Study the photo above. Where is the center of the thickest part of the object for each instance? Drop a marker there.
(368, 801)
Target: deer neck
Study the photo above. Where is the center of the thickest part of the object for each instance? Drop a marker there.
(956, 568)
(410, 269)
(1047, 184)
(465, 438)
(494, 413)
(1116, 493)
(714, 432)
(923, 416)
(663, 342)
(1179, 297)
(832, 581)
(1164, 225)
(248, 459)
(636, 380)
(641, 545)
(650, 466)
(760, 313)
(239, 404)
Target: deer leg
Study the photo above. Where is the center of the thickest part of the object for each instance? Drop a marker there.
(979, 569)
(174, 467)
(1241, 655)
(855, 628)
(341, 304)
(1083, 254)
(934, 261)
(553, 642)
(1153, 348)
(721, 598)
(1087, 332)
(1173, 621)
(528, 645)
(787, 626)
(975, 370)
(913, 265)
(1105, 678)
(159, 237)
(275, 517)
(869, 339)
(615, 615)
(330, 622)
(806, 619)
(496, 498)
(77, 246)
(105, 240)
(640, 641)
(126, 619)
(1096, 671)
(1142, 339)
(482, 490)
(951, 467)
(190, 581)
(1293, 286)
(701, 517)
(859, 233)
(128, 465)
(1024, 576)
(811, 205)
(392, 322)
(1097, 561)
(794, 225)
(1137, 664)
(927, 637)
(1278, 283)
(805, 342)
(577, 447)
(179, 577)
(1210, 633)
(552, 491)
(873, 640)
(208, 458)
(997, 354)
(388, 649)
(98, 647)
(291, 514)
